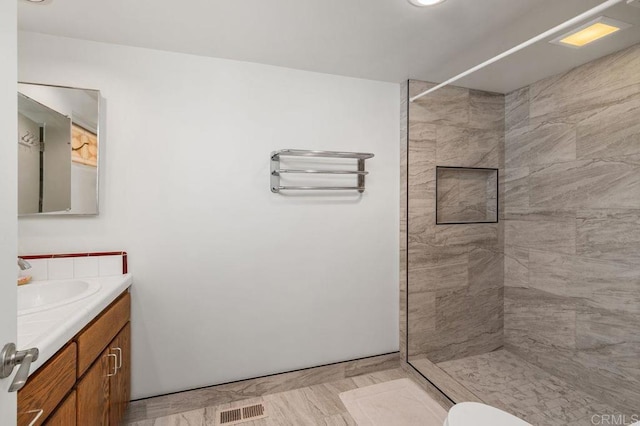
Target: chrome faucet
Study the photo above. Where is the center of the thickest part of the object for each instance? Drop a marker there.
(23, 264)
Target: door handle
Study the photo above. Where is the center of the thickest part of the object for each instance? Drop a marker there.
(115, 365)
(10, 358)
(119, 356)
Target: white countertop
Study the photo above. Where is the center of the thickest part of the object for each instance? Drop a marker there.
(50, 330)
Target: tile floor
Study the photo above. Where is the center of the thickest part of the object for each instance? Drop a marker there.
(398, 402)
(312, 405)
(182, 402)
(510, 383)
(500, 378)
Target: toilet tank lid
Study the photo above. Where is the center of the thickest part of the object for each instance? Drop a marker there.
(474, 413)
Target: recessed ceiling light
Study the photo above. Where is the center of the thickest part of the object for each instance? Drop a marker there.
(590, 32)
(38, 1)
(422, 3)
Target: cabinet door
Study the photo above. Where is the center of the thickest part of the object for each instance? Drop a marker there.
(47, 387)
(65, 415)
(120, 384)
(93, 391)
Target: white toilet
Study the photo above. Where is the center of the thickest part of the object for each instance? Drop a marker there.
(475, 414)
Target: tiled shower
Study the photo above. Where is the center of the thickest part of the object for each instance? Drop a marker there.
(539, 312)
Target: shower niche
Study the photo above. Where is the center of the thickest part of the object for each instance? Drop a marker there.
(466, 195)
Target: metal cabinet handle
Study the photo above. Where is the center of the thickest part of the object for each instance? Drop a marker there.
(119, 356)
(10, 357)
(115, 365)
(35, 419)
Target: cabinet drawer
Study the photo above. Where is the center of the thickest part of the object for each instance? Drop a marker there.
(95, 338)
(65, 415)
(47, 386)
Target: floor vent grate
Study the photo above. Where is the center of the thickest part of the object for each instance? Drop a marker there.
(253, 411)
(234, 416)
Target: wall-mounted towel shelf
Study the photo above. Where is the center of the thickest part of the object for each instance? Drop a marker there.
(276, 170)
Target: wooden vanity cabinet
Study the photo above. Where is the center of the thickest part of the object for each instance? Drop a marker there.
(103, 392)
(93, 392)
(89, 380)
(101, 331)
(65, 415)
(47, 387)
(120, 383)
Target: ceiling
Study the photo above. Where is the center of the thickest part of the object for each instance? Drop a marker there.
(387, 40)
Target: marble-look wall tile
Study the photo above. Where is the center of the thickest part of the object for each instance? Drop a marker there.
(486, 110)
(429, 255)
(486, 316)
(538, 317)
(516, 189)
(572, 232)
(422, 176)
(598, 328)
(591, 282)
(617, 370)
(423, 148)
(541, 231)
(424, 133)
(614, 131)
(437, 267)
(458, 146)
(604, 183)
(485, 270)
(421, 188)
(516, 114)
(540, 143)
(439, 277)
(422, 320)
(601, 82)
(467, 324)
(485, 234)
(422, 220)
(455, 271)
(449, 106)
(578, 368)
(516, 266)
(575, 106)
(608, 234)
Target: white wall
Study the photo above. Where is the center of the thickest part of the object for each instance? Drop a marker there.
(231, 280)
(28, 167)
(56, 185)
(8, 194)
(83, 187)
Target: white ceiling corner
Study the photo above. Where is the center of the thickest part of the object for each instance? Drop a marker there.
(387, 40)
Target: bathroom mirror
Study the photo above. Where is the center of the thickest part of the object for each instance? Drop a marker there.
(58, 150)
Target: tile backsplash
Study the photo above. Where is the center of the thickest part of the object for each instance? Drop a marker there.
(80, 265)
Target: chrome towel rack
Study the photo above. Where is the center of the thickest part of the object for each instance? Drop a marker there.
(276, 170)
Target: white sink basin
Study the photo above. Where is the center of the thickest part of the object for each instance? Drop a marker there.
(41, 296)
